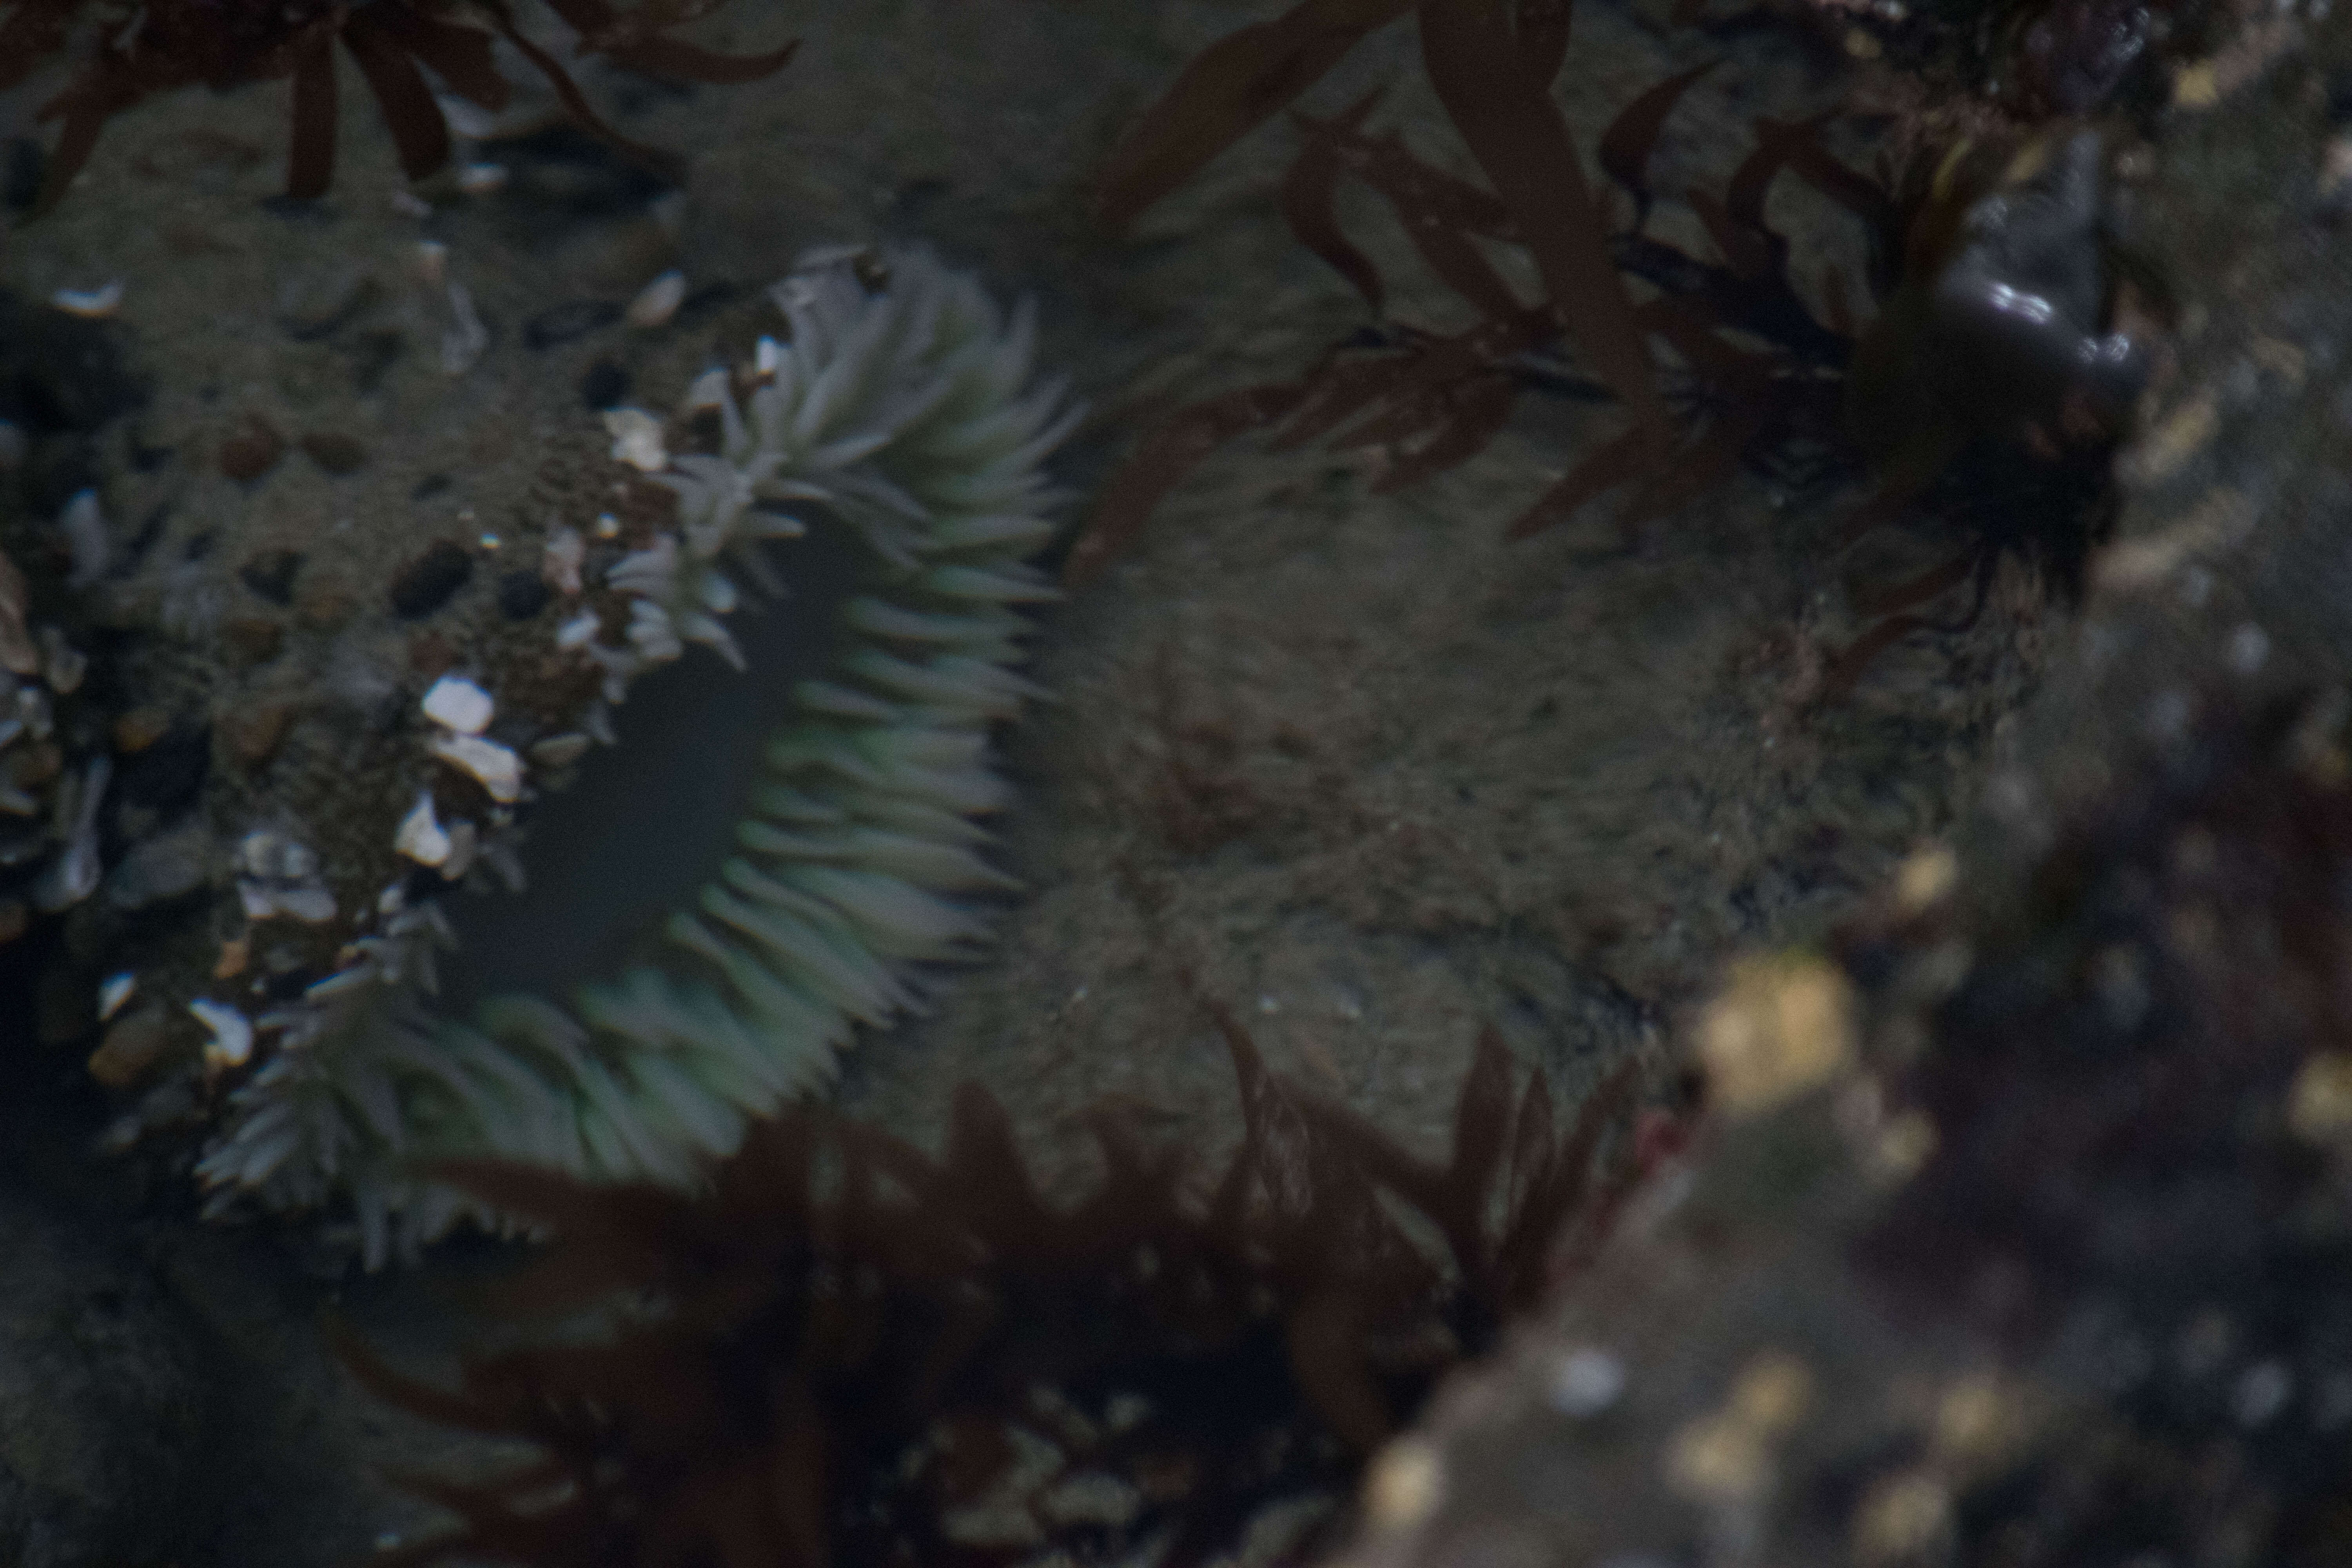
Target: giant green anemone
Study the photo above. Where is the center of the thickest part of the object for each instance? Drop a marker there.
(898, 428)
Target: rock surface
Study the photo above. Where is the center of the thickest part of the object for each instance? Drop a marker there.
(2018, 1234)
(108, 1387)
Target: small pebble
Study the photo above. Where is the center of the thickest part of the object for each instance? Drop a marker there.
(604, 385)
(271, 575)
(251, 449)
(522, 595)
(129, 1047)
(1586, 1382)
(558, 751)
(430, 580)
(335, 452)
(251, 640)
(252, 735)
(139, 729)
(573, 319)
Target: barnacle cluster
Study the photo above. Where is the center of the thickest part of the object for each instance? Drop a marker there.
(897, 418)
(48, 800)
(122, 53)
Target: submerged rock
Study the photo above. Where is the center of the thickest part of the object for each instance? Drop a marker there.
(105, 1396)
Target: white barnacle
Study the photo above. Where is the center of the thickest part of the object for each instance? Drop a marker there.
(73, 875)
(232, 1032)
(277, 875)
(459, 703)
(420, 835)
(659, 301)
(496, 768)
(636, 439)
(566, 551)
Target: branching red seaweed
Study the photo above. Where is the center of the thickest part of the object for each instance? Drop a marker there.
(133, 54)
(856, 1352)
(1719, 362)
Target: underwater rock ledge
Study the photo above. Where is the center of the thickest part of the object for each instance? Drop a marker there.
(2016, 1231)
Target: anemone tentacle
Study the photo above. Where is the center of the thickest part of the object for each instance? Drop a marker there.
(903, 407)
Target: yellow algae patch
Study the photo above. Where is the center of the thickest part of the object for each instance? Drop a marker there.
(1782, 1026)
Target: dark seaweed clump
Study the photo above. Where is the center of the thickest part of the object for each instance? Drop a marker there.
(849, 1351)
(1718, 361)
(123, 54)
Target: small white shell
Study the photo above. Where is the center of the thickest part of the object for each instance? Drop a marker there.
(498, 770)
(90, 303)
(637, 439)
(459, 703)
(463, 343)
(63, 665)
(712, 389)
(577, 631)
(482, 179)
(560, 567)
(232, 1032)
(308, 902)
(659, 301)
(420, 836)
(462, 842)
(114, 993)
(73, 875)
(559, 750)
